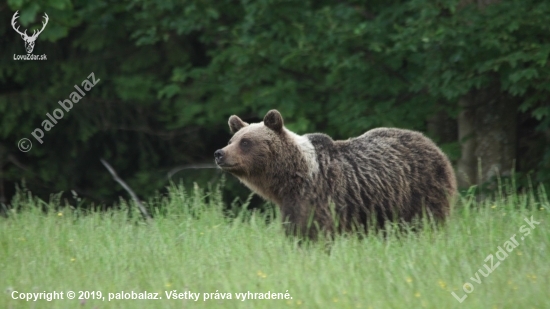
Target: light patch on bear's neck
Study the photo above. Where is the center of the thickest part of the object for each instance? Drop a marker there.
(307, 150)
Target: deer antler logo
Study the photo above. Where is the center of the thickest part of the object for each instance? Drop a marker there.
(29, 40)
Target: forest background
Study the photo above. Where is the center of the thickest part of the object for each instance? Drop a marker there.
(472, 75)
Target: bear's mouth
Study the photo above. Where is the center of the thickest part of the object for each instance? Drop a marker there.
(225, 165)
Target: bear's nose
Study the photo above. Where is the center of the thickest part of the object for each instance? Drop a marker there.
(218, 154)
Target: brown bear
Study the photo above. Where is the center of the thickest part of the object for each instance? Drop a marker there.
(386, 174)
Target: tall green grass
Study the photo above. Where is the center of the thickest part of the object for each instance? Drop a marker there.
(192, 245)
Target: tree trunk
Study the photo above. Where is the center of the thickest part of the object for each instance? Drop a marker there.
(442, 127)
(487, 129)
(466, 165)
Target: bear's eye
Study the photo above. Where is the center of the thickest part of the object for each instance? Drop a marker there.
(245, 143)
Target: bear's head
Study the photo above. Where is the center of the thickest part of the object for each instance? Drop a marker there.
(269, 159)
(254, 147)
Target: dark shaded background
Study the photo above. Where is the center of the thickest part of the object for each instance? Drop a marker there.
(472, 75)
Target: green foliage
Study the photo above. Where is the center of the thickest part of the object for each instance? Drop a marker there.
(173, 71)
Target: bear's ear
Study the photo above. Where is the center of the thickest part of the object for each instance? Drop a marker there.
(235, 124)
(274, 120)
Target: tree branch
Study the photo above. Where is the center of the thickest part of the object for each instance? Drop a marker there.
(190, 166)
(141, 208)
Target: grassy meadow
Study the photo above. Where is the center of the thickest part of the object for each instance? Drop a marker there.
(193, 247)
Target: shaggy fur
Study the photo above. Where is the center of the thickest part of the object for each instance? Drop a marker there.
(384, 174)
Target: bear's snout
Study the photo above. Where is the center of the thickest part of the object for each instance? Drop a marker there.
(218, 155)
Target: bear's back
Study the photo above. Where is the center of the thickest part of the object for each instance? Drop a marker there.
(393, 169)
(418, 155)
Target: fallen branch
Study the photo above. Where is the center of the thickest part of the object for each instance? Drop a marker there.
(141, 208)
(190, 166)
